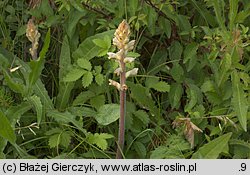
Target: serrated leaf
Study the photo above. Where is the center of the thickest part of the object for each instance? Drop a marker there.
(85, 64)
(213, 149)
(87, 79)
(65, 117)
(142, 116)
(6, 131)
(100, 140)
(190, 51)
(99, 42)
(239, 101)
(193, 93)
(97, 101)
(108, 114)
(83, 97)
(74, 74)
(140, 149)
(60, 138)
(175, 51)
(36, 102)
(177, 72)
(54, 141)
(99, 79)
(161, 86)
(175, 95)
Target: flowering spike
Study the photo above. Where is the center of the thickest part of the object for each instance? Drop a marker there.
(33, 35)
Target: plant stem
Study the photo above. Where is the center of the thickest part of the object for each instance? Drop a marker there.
(122, 111)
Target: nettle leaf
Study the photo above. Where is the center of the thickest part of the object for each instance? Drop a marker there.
(194, 96)
(6, 131)
(99, 139)
(173, 55)
(175, 95)
(108, 114)
(74, 74)
(85, 64)
(161, 86)
(239, 101)
(99, 79)
(87, 79)
(213, 149)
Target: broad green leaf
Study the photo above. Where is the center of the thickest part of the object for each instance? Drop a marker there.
(87, 49)
(74, 74)
(15, 112)
(213, 149)
(97, 101)
(194, 96)
(142, 116)
(83, 97)
(165, 25)
(12, 84)
(36, 102)
(157, 62)
(85, 64)
(38, 65)
(161, 86)
(82, 111)
(108, 114)
(99, 139)
(73, 19)
(177, 72)
(175, 95)
(175, 50)
(65, 117)
(65, 88)
(99, 79)
(87, 79)
(6, 130)
(140, 149)
(59, 137)
(239, 101)
(190, 52)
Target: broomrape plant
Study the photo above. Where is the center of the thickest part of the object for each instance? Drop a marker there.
(121, 41)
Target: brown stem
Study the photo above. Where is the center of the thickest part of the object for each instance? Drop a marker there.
(122, 111)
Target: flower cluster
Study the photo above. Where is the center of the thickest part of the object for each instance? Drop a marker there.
(121, 41)
(33, 35)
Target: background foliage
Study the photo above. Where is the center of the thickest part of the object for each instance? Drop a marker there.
(190, 98)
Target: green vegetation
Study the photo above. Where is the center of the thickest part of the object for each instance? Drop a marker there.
(189, 99)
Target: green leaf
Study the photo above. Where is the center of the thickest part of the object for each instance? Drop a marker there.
(213, 149)
(97, 101)
(142, 116)
(108, 114)
(161, 86)
(165, 25)
(99, 79)
(87, 79)
(175, 51)
(140, 149)
(194, 96)
(83, 97)
(157, 62)
(88, 49)
(239, 100)
(74, 74)
(38, 65)
(36, 102)
(65, 88)
(233, 11)
(65, 117)
(99, 139)
(190, 52)
(175, 95)
(12, 84)
(177, 72)
(85, 64)
(59, 137)
(6, 130)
